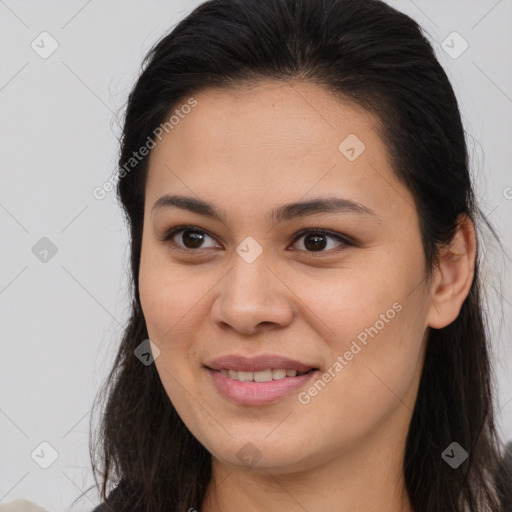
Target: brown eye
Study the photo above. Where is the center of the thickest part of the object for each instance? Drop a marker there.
(316, 241)
(192, 238)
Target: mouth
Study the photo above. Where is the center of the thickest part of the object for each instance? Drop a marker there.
(263, 375)
(259, 388)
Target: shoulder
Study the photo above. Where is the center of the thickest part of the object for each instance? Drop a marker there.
(113, 499)
(100, 508)
(103, 507)
(21, 505)
(507, 457)
(504, 483)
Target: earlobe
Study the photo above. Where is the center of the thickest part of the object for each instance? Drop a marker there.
(454, 275)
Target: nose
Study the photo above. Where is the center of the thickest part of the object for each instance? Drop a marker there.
(253, 297)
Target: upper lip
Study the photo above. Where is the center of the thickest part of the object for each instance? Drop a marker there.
(257, 363)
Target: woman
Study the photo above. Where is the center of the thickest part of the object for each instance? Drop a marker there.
(305, 261)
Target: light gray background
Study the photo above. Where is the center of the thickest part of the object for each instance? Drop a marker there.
(61, 320)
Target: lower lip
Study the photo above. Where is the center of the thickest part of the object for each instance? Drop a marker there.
(257, 393)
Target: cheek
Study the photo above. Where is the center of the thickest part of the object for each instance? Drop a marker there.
(348, 300)
(368, 381)
(166, 295)
(374, 321)
(168, 311)
(174, 303)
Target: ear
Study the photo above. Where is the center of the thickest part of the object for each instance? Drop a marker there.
(453, 276)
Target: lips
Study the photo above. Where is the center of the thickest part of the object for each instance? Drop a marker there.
(258, 393)
(259, 363)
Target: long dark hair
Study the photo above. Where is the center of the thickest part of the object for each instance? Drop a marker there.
(378, 58)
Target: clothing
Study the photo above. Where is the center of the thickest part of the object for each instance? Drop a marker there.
(21, 506)
(28, 506)
(505, 482)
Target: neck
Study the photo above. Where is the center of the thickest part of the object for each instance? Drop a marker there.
(367, 477)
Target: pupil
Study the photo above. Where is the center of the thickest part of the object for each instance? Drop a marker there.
(197, 239)
(316, 243)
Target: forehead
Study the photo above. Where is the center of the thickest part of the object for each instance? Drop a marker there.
(267, 142)
(303, 115)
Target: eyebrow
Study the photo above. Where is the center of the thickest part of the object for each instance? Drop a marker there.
(278, 215)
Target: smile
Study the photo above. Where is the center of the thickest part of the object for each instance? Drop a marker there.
(261, 376)
(244, 388)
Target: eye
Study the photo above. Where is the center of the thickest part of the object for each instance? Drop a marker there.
(315, 239)
(192, 237)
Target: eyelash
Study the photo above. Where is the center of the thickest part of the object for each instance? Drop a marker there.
(346, 242)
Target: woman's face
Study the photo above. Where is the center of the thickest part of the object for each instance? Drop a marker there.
(252, 283)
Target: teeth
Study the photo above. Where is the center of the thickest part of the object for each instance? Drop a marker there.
(245, 376)
(261, 376)
(278, 373)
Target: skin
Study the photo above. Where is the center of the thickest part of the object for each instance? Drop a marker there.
(249, 150)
